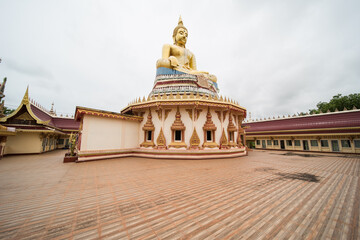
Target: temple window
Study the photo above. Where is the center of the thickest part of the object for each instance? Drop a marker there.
(313, 143)
(289, 142)
(178, 132)
(231, 131)
(177, 135)
(276, 142)
(297, 143)
(345, 144)
(269, 142)
(209, 136)
(324, 143)
(357, 143)
(209, 132)
(231, 136)
(149, 136)
(148, 129)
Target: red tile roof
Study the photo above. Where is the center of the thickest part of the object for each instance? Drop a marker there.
(55, 121)
(345, 119)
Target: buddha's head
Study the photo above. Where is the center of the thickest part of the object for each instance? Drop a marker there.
(180, 33)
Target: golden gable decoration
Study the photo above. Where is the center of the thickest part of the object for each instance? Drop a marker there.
(223, 141)
(161, 141)
(194, 140)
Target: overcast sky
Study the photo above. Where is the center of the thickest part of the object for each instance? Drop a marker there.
(273, 57)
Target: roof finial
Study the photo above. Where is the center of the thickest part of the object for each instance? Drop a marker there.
(25, 99)
(52, 108)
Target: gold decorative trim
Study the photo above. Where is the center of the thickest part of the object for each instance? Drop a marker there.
(194, 140)
(231, 127)
(147, 144)
(167, 111)
(178, 145)
(219, 115)
(198, 111)
(210, 145)
(223, 141)
(190, 111)
(196, 100)
(178, 124)
(80, 112)
(149, 126)
(159, 113)
(224, 115)
(161, 140)
(209, 125)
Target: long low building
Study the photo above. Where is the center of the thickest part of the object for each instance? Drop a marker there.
(325, 132)
(36, 130)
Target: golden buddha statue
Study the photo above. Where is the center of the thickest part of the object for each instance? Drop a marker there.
(178, 57)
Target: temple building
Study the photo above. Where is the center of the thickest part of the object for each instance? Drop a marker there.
(36, 130)
(182, 117)
(326, 132)
(4, 131)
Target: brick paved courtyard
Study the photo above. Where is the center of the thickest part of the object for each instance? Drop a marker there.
(266, 195)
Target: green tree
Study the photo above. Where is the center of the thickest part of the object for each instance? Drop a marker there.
(338, 102)
(8, 111)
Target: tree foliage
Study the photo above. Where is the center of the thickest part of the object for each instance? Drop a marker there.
(8, 111)
(338, 102)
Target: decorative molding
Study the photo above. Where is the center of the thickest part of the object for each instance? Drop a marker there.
(224, 115)
(219, 115)
(161, 140)
(224, 144)
(194, 140)
(178, 124)
(25, 116)
(167, 111)
(159, 113)
(198, 111)
(190, 111)
(209, 125)
(177, 145)
(231, 127)
(149, 126)
(239, 141)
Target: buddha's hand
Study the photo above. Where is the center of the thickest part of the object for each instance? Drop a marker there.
(163, 63)
(173, 61)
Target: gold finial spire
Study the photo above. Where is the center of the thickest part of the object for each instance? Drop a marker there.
(52, 108)
(25, 99)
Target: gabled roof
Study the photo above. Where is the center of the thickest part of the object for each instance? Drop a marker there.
(335, 120)
(42, 117)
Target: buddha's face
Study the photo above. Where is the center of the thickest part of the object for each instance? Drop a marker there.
(181, 36)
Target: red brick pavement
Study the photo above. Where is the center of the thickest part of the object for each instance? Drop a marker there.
(266, 195)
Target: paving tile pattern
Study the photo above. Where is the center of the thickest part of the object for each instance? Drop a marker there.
(266, 195)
